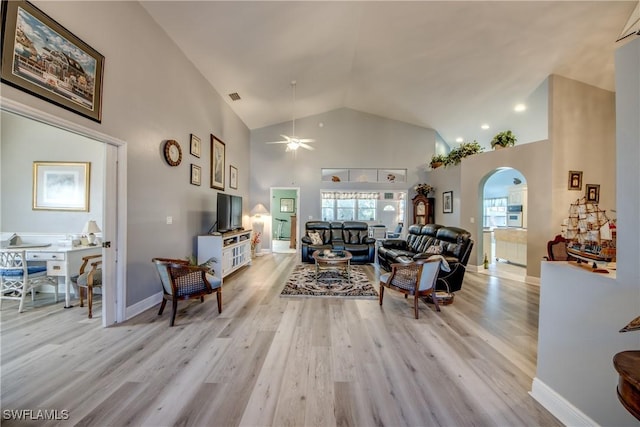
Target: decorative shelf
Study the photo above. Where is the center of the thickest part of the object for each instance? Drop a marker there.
(364, 175)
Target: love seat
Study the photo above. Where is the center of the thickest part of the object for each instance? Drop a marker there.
(352, 236)
(423, 241)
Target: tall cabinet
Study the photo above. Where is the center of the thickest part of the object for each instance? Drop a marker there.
(231, 251)
(423, 210)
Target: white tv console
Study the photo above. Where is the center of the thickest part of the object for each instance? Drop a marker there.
(231, 251)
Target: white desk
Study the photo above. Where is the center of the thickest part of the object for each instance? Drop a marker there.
(62, 262)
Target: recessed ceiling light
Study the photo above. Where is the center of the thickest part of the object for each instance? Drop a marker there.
(459, 139)
(519, 107)
(485, 126)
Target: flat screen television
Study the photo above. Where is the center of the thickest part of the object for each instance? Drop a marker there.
(229, 216)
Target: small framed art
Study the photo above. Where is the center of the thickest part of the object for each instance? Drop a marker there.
(233, 177)
(196, 174)
(286, 205)
(575, 180)
(447, 202)
(194, 148)
(217, 163)
(592, 193)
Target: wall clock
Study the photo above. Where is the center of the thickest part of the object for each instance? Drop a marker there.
(172, 152)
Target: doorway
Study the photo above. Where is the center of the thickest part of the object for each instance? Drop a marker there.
(113, 210)
(504, 232)
(284, 219)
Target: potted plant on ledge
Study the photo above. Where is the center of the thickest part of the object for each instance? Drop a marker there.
(423, 189)
(437, 160)
(503, 139)
(464, 150)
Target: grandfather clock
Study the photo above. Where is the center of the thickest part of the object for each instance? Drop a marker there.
(423, 209)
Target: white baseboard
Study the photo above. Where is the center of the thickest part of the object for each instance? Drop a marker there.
(561, 408)
(143, 305)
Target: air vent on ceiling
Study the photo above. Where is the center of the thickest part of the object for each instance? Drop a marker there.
(234, 96)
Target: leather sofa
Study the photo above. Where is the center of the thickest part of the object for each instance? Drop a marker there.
(423, 241)
(352, 236)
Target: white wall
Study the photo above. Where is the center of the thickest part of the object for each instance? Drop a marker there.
(581, 312)
(24, 141)
(347, 139)
(152, 93)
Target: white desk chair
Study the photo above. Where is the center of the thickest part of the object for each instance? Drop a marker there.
(17, 278)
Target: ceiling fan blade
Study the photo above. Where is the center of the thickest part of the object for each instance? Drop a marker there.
(308, 147)
(288, 138)
(277, 142)
(307, 140)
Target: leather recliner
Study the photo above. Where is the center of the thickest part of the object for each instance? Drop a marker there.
(352, 236)
(453, 243)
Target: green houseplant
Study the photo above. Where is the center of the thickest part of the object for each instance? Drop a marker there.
(464, 150)
(504, 139)
(437, 160)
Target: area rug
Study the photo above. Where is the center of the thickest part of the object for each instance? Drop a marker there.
(331, 283)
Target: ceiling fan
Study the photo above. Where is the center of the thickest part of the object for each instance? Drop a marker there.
(293, 142)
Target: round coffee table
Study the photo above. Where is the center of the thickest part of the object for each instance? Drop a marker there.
(332, 260)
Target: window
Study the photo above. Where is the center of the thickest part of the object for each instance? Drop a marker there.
(366, 210)
(367, 206)
(495, 212)
(328, 210)
(345, 209)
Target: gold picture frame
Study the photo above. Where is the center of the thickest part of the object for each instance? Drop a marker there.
(61, 186)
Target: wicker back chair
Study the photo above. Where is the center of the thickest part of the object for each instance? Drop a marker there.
(183, 281)
(416, 278)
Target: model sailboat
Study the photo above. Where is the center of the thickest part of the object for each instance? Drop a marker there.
(589, 232)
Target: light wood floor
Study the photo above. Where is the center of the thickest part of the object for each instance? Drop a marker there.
(275, 361)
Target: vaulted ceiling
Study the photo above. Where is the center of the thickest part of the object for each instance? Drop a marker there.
(446, 65)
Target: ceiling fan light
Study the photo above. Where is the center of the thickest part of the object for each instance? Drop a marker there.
(293, 145)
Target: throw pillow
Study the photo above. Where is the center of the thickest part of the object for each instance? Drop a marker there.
(434, 249)
(315, 238)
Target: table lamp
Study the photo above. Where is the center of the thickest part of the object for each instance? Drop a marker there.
(90, 228)
(259, 210)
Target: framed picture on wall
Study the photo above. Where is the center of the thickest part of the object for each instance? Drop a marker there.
(233, 177)
(575, 180)
(195, 175)
(43, 58)
(286, 205)
(194, 146)
(61, 186)
(592, 193)
(447, 202)
(217, 163)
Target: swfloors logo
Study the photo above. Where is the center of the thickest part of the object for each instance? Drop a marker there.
(36, 414)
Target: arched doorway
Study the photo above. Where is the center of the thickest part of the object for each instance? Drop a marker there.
(504, 216)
